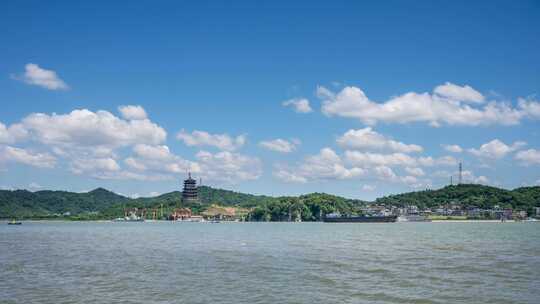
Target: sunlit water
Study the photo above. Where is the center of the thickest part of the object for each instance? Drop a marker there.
(164, 262)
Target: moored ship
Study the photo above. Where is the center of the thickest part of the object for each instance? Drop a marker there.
(413, 218)
(338, 218)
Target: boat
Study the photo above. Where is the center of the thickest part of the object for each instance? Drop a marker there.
(192, 219)
(413, 218)
(14, 222)
(122, 219)
(338, 218)
(130, 218)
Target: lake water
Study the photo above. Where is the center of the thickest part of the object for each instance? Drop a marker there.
(165, 262)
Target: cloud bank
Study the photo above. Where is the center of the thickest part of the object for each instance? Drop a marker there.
(449, 104)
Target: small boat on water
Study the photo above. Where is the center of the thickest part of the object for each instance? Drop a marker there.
(14, 222)
(413, 218)
(121, 219)
(192, 219)
(130, 218)
(338, 218)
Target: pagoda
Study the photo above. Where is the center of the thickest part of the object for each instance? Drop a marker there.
(190, 194)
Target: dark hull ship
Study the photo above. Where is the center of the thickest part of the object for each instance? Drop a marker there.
(361, 219)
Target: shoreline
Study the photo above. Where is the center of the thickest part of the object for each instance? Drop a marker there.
(163, 221)
(474, 221)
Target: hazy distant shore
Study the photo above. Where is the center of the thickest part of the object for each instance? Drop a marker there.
(160, 221)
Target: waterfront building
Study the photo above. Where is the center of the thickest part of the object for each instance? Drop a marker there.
(180, 214)
(474, 212)
(457, 212)
(190, 194)
(501, 213)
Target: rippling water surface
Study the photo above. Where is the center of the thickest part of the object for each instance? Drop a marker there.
(164, 262)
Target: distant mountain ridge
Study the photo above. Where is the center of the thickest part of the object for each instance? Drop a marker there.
(46, 203)
(471, 195)
(23, 203)
(209, 195)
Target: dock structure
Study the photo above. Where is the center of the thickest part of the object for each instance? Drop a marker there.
(190, 194)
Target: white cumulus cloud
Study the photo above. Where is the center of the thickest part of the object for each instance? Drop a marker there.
(300, 105)
(153, 152)
(82, 166)
(12, 134)
(280, 145)
(220, 141)
(88, 142)
(530, 107)
(422, 107)
(428, 161)
(496, 149)
(385, 173)
(19, 155)
(159, 159)
(288, 176)
(456, 92)
(368, 139)
(87, 128)
(415, 171)
(131, 112)
(529, 157)
(228, 167)
(470, 177)
(326, 165)
(369, 160)
(48, 79)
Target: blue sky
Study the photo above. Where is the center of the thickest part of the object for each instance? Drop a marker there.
(355, 99)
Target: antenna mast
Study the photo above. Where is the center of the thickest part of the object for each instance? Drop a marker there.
(460, 174)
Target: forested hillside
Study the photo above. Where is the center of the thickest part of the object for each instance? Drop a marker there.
(469, 195)
(26, 204)
(101, 203)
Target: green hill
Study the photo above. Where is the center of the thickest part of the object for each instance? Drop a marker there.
(310, 206)
(43, 204)
(101, 203)
(469, 195)
(25, 204)
(208, 196)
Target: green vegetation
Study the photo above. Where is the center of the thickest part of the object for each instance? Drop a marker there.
(469, 195)
(103, 204)
(47, 204)
(309, 207)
